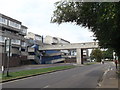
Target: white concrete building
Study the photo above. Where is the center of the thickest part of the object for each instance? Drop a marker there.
(54, 40)
(37, 38)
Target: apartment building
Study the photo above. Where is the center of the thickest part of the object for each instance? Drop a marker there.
(62, 41)
(35, 56)
(13, 29)
(34, 42)
(24, 46)
(34, 38)
(54, 40)
(50, 40)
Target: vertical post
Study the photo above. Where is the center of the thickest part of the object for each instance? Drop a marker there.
(78, 55)
(20, 47)
(4, 58)
(20, 52)
(82, 56)
(8, 56)
(87, 53)
(42, 39)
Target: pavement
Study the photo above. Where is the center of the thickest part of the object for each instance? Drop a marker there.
(110, 79)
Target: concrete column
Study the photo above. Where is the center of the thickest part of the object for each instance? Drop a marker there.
(78, 56)
(87, 52)
(82, 60)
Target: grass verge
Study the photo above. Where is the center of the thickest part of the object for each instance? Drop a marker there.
(90, 63)
(27, 73)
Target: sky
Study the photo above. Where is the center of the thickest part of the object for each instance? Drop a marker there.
(36, 15)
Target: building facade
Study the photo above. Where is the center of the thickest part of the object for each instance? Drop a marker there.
(34, 41)
(38, 39)
(14, 30)
(55, 40)
(25, 46)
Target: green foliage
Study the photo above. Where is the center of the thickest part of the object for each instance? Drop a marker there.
(90, 63)
(108, 54)
(102, 18)
(96, 54)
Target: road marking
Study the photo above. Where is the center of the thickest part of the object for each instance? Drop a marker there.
(99, 85)
(46, 86)
(106, 71)
(104, 74)
(17, 80)
(53, 72)
(112, 78)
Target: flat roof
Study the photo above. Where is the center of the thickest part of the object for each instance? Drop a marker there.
(35, 34)
(65, 40)
(24, 27)
(9, 18)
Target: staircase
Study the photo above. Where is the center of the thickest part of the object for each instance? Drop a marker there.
(34, 54)
(52, 56)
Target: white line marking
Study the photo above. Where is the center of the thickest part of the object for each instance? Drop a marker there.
(17, 80)
(111, 68)
(26, 78)
(46, 86)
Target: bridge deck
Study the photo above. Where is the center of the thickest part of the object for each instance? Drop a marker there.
(88, 45)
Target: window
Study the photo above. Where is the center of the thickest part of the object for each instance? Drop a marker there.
(24, 31)
(14, 24)
(23, 44)
(38, 38)
(15, 41)
(55, 40)
(2, 39)
(3, 21)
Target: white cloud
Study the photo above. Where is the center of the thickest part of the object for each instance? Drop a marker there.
(36, 15)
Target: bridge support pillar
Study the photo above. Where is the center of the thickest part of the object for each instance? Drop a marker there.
(78, 57)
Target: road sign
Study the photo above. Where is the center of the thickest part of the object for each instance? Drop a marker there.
(8, 45)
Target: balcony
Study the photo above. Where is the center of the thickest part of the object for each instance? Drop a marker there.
(24, 53)
(23, 32)
(31, 57)
(31, 49)
(24, 44)
(11, 35)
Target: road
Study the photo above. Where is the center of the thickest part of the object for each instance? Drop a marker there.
(80, 77)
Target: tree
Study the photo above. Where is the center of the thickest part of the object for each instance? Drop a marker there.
(107, 54)
(96, 54)
(100, 17)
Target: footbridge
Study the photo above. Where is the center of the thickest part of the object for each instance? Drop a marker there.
(78, 46)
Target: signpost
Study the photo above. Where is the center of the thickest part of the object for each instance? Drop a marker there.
(8, 50)
(3, 67)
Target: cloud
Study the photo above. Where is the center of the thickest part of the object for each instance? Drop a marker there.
(36, 15)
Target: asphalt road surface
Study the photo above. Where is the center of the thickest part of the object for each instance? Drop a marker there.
(80, 77)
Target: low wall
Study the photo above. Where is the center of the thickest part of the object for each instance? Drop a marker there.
(70, 60)
(14, 60)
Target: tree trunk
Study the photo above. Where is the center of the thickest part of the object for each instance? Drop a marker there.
(118, 54)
